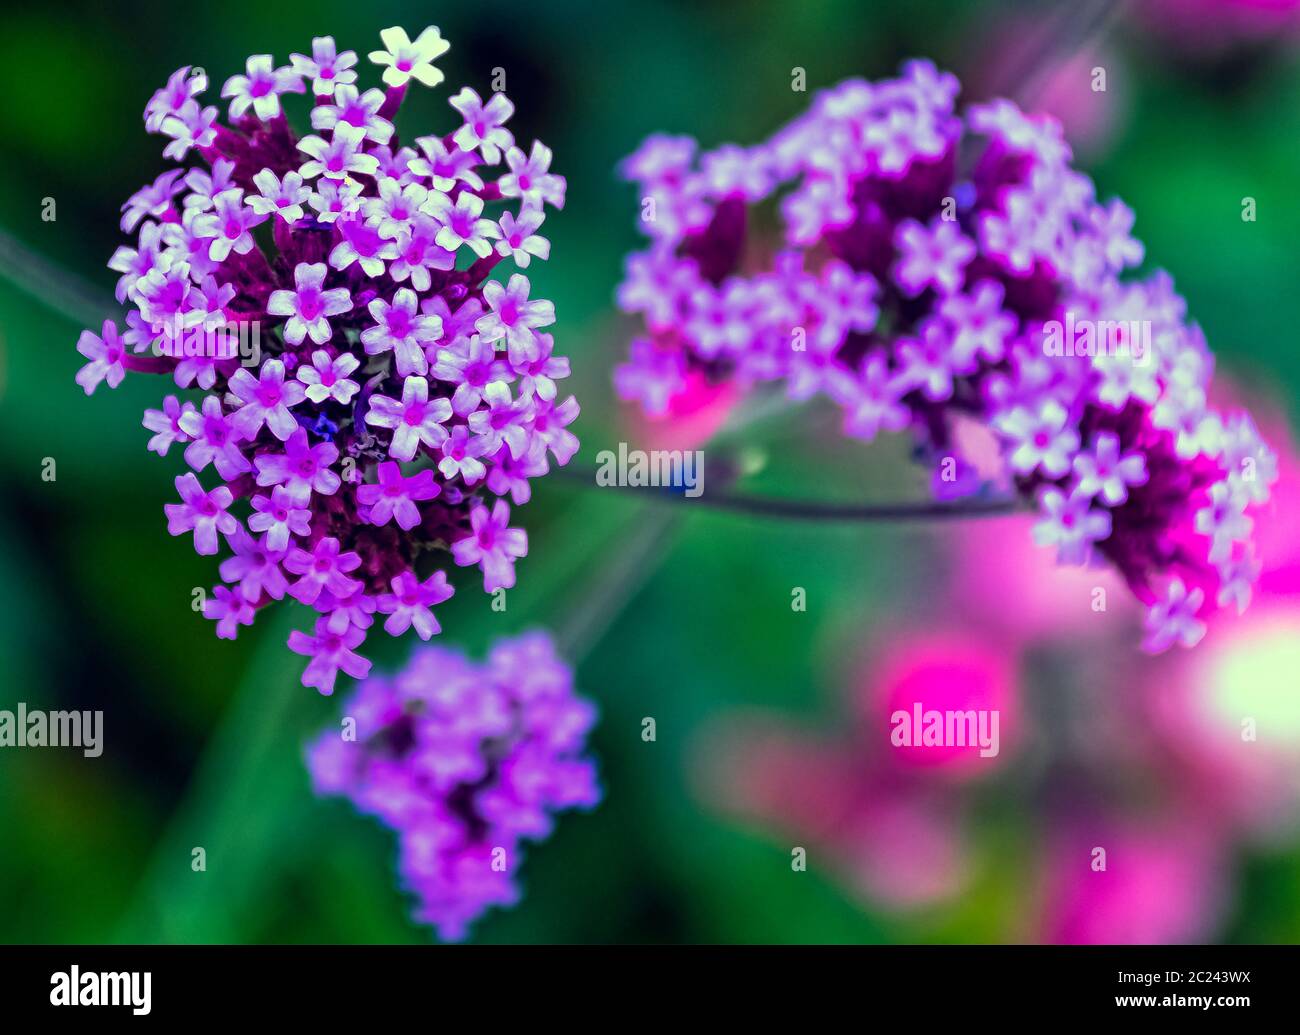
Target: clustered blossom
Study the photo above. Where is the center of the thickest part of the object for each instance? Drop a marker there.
(928, 259)
(465, 762)
(392, 391)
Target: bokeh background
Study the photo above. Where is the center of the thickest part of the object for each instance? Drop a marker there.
(769, 729)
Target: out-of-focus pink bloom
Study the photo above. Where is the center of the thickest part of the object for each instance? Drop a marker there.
(997, 564)
(942, 672)
(695, 413)
(894, 843)
(1232, 715)
(1164, 882)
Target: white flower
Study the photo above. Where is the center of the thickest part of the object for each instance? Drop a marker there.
(260, 89)
(407, 60)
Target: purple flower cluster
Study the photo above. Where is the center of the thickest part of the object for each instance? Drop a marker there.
(396, 390)
(465, 762)
(938, 267)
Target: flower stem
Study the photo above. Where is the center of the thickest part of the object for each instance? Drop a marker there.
(808, 510)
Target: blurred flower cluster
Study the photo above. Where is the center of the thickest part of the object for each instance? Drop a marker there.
(396, 390)
(1171, 766)
(465, 762)
(939, 267)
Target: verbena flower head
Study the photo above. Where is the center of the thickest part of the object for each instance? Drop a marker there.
(465, 762)
(936, 265)
(367, 391)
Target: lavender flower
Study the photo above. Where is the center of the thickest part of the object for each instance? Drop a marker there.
(391, 393)
(931, 260)
(465, 762)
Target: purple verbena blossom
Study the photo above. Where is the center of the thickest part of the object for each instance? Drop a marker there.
(464, 762)
(305, 287)
(975, 244)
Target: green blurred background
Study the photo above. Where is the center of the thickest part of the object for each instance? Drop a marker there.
(203, 737)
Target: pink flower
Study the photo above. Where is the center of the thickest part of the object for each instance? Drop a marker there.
(266, 400)
(324, 568)
(330, 653)
(934, 256)
(278, 517)
(261, 88)
(414, 421)
(343, 155)
(214, 438)
(1071, 524)
(106, 354)
(492, 545)
(327, 379)
(302, 468)
(202, 512)
(230, 225)
(484, 124)
(514, 318)
(401, 329)
(326, 68)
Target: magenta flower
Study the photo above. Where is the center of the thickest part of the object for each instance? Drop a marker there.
(520, 240)
(360, 435)
(302, 468)
(214, 438)
(1106, 474)
(166, 424)
(339, 157)
(154, 200)
(465, 762)
(359, 110)
(1070, 524)
(255, 569)
(531, 180)
(410, 601)
(461, 223)
(395, 496)
(1039, 438)
(229, 610)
